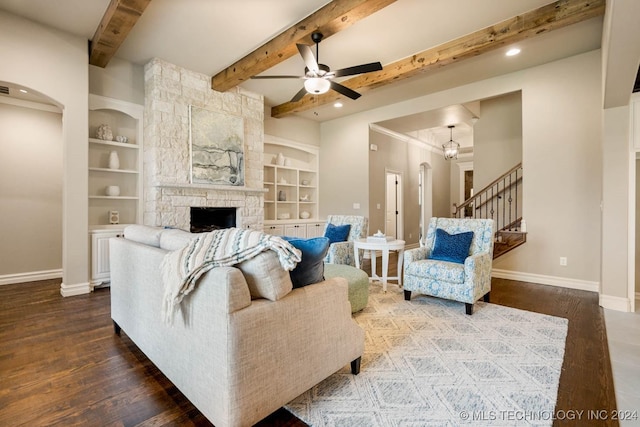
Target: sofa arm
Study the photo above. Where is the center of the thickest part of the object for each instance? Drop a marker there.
(416, 254)
(477, 272)
(340, 253)
(286, 347)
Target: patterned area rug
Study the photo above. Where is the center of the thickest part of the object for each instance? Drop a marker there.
(426, 363)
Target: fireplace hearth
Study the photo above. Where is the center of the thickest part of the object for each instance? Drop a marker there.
(209, 219)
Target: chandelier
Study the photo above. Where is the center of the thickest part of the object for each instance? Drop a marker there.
(451, 148)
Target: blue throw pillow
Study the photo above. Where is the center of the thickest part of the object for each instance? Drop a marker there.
(337, 233)
(451, 247)
(311, 268)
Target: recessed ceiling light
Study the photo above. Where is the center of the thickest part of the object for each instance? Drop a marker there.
(23, 91)
(513, 51)
(338, 104)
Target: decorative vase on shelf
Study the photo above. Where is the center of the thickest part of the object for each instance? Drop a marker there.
(114, 160)
(282, 196)
(112, 190)
(104, 132)
(280, 159)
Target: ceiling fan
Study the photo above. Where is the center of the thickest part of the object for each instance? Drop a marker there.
(318, 78)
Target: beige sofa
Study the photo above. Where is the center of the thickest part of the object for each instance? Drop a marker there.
(236, 355)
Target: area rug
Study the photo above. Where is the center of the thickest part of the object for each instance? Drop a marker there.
(426, 363)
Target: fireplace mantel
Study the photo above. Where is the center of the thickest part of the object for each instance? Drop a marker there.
(209, 187)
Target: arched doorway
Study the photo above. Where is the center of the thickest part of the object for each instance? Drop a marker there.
(31, 185)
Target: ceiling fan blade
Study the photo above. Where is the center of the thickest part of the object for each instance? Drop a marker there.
(344, 90)
(307, 56)
(358, 69)
(277, 77)
(298, 96)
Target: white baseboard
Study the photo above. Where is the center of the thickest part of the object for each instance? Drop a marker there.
(9, 279)
(563, 282)
(75, 289)
(615, 303)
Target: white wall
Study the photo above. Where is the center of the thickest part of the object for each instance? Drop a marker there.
(120, 80)
(55, 63)
(562, 125)
(561, 152)
(30, 191)
(497, 138)
(637, 237)
(292, 128)
(615, 205)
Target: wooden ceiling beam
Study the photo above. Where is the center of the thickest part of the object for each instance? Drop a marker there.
(117, 21)
(550, 17)
(331, 18)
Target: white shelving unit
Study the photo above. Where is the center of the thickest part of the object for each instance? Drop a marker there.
(291, 188)
(297, 181)
(125, 119)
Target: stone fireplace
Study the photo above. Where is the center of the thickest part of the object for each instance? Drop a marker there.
(168, 193)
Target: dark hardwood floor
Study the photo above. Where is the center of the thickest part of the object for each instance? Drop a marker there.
(61, 363)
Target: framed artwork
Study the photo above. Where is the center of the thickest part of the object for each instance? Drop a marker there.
(216, 145)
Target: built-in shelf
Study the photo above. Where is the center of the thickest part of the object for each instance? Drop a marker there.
(113, 170)
(115, 197)
(285, 180)
(109, 215)
(124, 119)
(114, 143)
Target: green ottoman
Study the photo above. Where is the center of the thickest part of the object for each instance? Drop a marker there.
(358, 283)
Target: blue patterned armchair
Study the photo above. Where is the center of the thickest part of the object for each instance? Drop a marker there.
(342, 252)
(466, 282)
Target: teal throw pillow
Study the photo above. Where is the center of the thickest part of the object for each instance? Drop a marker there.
(451, 247)
(337, 233)
(311, 268)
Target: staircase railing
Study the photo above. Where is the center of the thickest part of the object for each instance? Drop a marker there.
(501, 200)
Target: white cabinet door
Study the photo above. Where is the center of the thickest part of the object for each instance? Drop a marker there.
(276, 230)
(100, 269)
(295, 230)
(315, 230)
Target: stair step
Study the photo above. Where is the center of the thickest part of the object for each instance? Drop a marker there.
(509, 241)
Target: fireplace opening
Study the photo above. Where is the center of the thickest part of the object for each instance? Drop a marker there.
(209, 219)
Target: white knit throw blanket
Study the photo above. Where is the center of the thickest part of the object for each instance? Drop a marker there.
(181, 269)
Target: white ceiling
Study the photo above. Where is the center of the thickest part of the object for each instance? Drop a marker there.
(208, 35)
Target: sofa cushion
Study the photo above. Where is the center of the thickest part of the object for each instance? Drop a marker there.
(174, 239)
(311, 268)
(451, 247)
(452, 272)
(143, 234)
(266, 277)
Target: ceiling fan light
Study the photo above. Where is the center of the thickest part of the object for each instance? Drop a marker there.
(317, 85)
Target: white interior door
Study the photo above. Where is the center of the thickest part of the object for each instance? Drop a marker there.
(394, 205)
